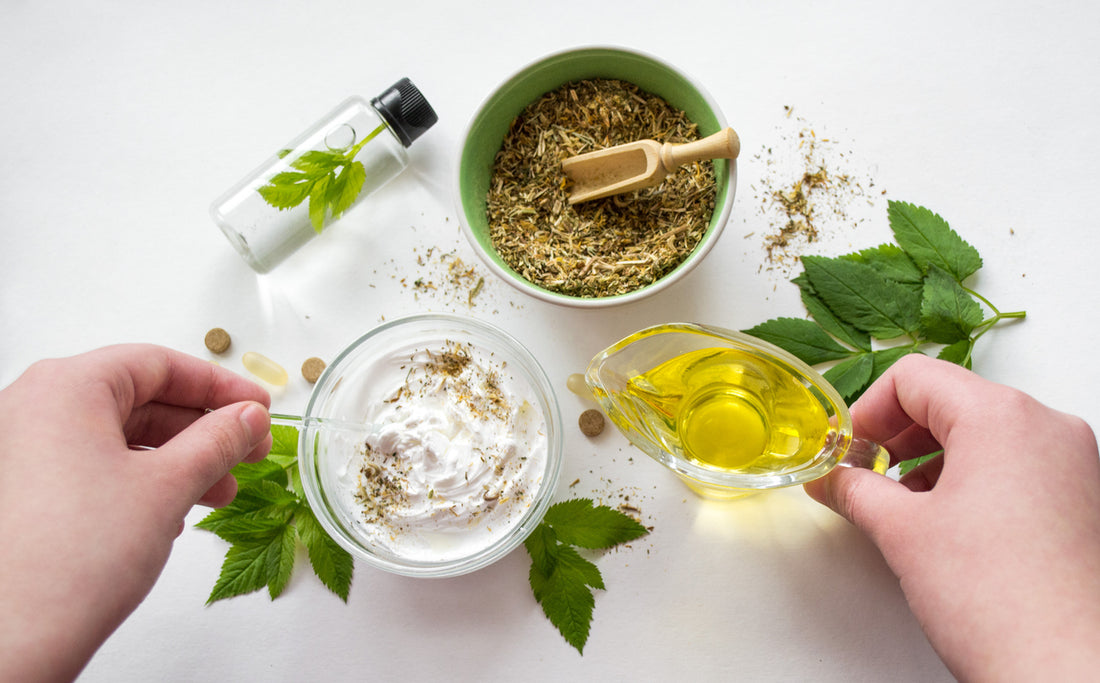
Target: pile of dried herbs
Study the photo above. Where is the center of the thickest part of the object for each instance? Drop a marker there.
(603, 247)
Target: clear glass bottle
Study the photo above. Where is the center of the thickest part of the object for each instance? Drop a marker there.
(354, 150)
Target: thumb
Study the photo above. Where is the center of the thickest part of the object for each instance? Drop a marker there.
(865, 498)
(202, 455)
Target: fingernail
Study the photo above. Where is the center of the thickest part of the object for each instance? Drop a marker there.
(256, 421)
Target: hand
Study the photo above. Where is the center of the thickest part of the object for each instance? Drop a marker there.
(87, 521)
(997, 542)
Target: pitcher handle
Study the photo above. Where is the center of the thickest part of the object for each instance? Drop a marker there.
(867, 455)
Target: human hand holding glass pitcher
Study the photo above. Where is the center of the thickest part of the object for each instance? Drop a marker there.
(996, 542)
(730, 414)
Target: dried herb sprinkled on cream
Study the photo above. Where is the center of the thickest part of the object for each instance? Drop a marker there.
(458, 458)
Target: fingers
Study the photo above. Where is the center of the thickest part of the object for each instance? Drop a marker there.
(924, 476)
(142, 374)
(221, 493)
(154, 424)
(913, 442)
(918, 390)
(198, 459)
(910, 410)
(162, 398)
(865, 498)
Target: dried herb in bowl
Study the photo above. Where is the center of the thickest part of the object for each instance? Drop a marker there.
(604, 247)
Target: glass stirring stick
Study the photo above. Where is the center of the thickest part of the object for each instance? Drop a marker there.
(323, 424)
(361, 429)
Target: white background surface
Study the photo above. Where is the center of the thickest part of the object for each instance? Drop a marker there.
(120, 122)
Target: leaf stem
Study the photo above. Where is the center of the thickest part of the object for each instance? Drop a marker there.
(998, 315)
(351, 153)
(988, 324)
(986, 301)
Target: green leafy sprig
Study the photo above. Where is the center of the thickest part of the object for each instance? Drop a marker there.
(330, 179)
(270, 516)
(563, 580)
(911, 294)
(265, 523)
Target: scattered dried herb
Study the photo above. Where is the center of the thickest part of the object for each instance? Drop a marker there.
(806, 190)
(604, 247)
(445, 277)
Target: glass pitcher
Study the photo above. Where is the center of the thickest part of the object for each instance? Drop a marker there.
(730, 414)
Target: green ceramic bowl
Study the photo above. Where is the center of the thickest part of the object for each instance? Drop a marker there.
(486, 131)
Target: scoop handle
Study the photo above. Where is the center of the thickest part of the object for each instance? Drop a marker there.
(721, 145)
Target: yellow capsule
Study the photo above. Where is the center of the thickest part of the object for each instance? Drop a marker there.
(264, 368)
(576, 384)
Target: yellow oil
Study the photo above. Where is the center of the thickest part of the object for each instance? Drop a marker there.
(730, 410)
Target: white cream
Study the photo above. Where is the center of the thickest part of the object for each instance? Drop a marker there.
(457, 459)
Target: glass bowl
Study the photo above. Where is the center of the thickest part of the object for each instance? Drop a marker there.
(415, 490)
(489, 126)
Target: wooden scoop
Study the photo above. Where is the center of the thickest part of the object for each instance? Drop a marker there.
(644, 163)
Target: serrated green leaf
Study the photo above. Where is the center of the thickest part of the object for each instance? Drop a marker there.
(881, 360)
(260, 498)
(331, 180)
(280, 561)
(948, 313)
(541, 545)
(289, 178)
(284, 441)
(568, 562)
(958, 353)
(243, 571)
(817, 309)
(318, 163)
(806, 339)
(318, 202)
(332, 564)
(861, 296)
(884, 358)
(538, 578)
(566, 596)
(803, 283)
(907, 466)
(264, 495)
(891, 262)
(579, 522)
(295, 475)
(284, 197)
(250, 529)
(929, 240)
(560, 578)
(346, 188)
(852, 376)
(266, 469)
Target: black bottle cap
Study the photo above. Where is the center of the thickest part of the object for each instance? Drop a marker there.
(405, 109)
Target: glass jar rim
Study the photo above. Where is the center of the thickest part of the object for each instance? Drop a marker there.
(310, 454)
